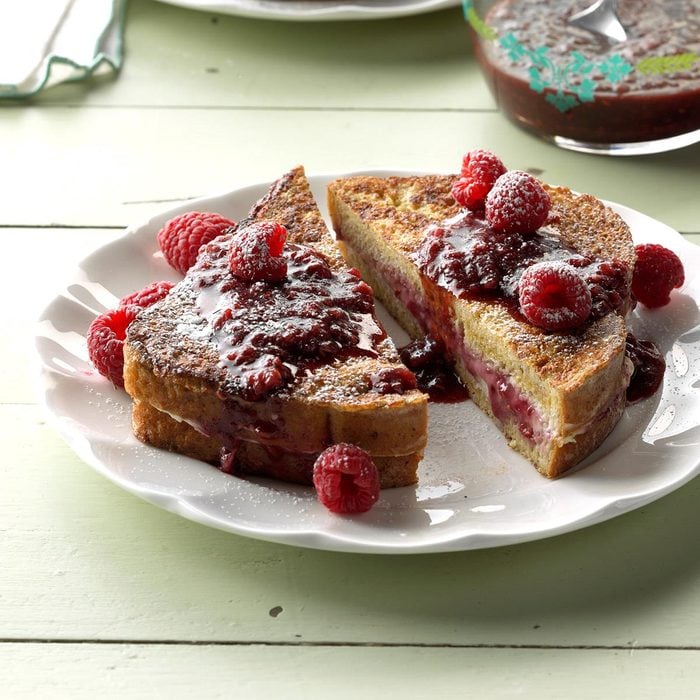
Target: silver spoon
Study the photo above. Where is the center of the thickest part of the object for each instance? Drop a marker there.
(600, 18)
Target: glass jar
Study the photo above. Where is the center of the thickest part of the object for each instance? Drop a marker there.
(586, 92)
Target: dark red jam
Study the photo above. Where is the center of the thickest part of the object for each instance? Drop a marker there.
(557, 79)
(393, 380)
(649, 367)
(427, 359)
(270, 332)
(471, 260)
(227, 459)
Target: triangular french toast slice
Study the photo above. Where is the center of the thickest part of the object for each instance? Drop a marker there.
(183, 369)
(554, 395)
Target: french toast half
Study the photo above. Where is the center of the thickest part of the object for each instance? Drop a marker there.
(554, 395)
(187, 396)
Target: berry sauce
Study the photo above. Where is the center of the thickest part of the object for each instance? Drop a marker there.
(558, 79)
(649, 367)
(393, 380)
(427, 359)
(470, 259)
(270, 332)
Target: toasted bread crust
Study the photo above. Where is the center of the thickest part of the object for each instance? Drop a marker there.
(159, 429)
(575, 380)
(183, 401)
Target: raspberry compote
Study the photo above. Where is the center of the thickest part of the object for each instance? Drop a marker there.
(427, 359)
(649, 367)
(470, 259)
(270, 332)
(559, 80)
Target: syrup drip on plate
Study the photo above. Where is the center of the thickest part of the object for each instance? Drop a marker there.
(649, 367)
(426, 358)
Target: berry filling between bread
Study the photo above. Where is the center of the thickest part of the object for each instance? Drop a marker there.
(508, 403)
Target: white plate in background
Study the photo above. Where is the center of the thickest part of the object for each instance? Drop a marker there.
(316, 10)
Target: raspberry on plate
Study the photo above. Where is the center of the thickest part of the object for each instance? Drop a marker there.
(148, 295)
(517, 203)
(182, 237)
(256, 252)
(105, 341)
(657, 272)
(346, 479)
(554, 296)
(480, 170)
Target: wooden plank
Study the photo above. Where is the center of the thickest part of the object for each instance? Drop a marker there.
(214, 60)
(296, 673)
(84, 560)
(113, 167)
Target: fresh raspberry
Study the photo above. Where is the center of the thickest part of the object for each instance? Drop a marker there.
(346, 479)
(148, 295)
(256, 252)
(517, 203)
(480, 170)
(105, 341)
(182, 237)
(657, 271)
(554, 296)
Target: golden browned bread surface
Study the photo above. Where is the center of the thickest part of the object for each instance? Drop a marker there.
(576, 381)
(157, 428)
(182, 393)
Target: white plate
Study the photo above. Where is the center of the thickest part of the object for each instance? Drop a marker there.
(316, 10)
(474, 492)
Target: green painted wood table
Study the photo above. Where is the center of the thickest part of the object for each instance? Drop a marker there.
(103, 594)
